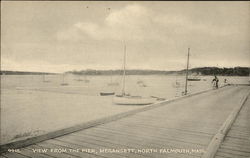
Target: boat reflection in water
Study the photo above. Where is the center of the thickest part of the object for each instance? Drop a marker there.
(133, 100)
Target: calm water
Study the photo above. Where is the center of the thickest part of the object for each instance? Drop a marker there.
(31, 107)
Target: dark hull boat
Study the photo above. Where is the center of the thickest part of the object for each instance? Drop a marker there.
(64, 84)
(193, 79)
(107, 93)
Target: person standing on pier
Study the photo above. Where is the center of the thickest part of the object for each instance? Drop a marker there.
(225, 80)
(215, 82)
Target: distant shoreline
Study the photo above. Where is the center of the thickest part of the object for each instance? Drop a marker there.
(25, 73)
(206, 71)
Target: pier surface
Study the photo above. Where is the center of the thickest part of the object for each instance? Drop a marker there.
(237, 141)
(183, 128)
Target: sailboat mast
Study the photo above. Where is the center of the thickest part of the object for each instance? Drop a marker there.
(124, 71)
(187, 73)
(111, 76)
(63, 78)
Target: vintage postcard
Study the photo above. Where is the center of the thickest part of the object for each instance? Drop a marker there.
(125, 79)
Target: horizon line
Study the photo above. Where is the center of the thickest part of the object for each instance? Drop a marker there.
(88, 69)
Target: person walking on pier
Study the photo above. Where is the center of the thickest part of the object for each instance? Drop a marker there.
(215, 82)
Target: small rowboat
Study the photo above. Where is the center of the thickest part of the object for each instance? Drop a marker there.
(107, 93)
(193, 79)
(64, 84)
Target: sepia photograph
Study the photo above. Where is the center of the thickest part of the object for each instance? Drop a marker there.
(125, 79)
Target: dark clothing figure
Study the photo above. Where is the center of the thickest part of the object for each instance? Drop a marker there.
(225, 80)
(215, 82)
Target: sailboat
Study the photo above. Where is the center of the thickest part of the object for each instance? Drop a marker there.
(112, 83)
(141, 83)
(63, 81)
(188, 78)
(85, 79)
(126, 99)
(44, 80)
(192, 77)
(107, 93)
(79, 79)
(176, 84)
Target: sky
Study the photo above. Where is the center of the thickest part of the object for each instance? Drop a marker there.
(61, 36)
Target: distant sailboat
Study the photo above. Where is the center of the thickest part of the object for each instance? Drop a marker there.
(112, 83)
(63, 81)
(141, 83)
(86, 80)
(192, 77)
(189, 78)
(44, 80)
(126, 99)
(176, 84)
(107, 93)
(79, 78)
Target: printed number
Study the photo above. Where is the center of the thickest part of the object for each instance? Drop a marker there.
(14, 150)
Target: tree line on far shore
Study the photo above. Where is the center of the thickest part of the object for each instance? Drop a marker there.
(25, 73)
(236, 71)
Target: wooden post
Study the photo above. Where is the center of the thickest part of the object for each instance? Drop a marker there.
(187, 73)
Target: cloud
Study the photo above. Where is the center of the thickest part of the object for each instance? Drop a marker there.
(138, 23)
(72, 34)
(133, 22)
(130, 17)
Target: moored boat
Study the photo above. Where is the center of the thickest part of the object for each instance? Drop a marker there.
(44, 80)
(64, 84)
(125, 99)
(107, 93)
(63, 81)
(193, 79)
(111, 82)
